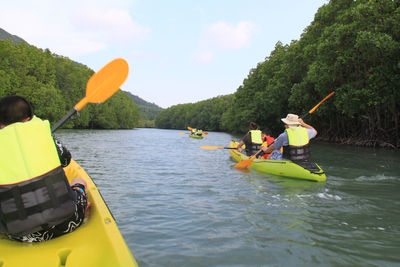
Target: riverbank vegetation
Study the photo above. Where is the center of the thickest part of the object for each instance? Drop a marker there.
(205, 114)
(351, 47)
(54, 84)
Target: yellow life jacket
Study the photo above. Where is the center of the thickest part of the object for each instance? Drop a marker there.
(298, 148)
(34, 191)
(256, 141)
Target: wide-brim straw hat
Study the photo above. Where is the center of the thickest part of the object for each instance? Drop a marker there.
(291, 120)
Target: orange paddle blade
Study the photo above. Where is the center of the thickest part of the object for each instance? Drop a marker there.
(104, 83)
(205, 134)
(189, 128)
(181, 133)
(244, 164)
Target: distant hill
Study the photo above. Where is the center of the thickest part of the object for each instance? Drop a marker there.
(139, 101)
(5, 35)
(148, 111)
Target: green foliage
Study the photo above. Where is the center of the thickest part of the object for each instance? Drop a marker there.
(352, 47)
(206, 115)
(54, 84)
(148, 111)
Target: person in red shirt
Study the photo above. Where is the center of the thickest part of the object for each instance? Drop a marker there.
(267, 140)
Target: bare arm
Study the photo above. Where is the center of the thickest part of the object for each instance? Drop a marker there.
(305, 125)
(240, 145)
(268, 149)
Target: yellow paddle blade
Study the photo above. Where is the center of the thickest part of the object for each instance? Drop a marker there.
(212, 147)
(181, 133)
(244, 164)
(104, 83)
(189, 128)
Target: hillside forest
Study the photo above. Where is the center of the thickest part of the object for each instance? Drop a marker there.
(54, 84)
(351, 47)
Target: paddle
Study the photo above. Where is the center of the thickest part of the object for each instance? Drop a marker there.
(101, 86)
(314, 108)
(244, 164)
(217, 147)
(247, 162)
(205, 134)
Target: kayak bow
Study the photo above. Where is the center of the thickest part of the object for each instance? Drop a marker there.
(97, 242)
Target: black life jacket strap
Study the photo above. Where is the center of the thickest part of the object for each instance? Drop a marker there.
(16, 215)
(297, 153)
(21, 212)
(46, 181)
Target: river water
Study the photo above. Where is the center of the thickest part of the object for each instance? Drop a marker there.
(179, 205)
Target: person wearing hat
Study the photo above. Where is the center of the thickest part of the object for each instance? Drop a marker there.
(294, 140)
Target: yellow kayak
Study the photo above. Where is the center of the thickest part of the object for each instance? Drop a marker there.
(97, 242)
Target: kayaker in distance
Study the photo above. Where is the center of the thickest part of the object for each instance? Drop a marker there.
(252, 140)
(294, 140)
(37, 202)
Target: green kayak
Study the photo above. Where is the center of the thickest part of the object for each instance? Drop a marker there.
(285, 168)
(196, 136)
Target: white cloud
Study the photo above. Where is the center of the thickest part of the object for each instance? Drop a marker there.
(203, 57)
(112, 25)
(222, 36)
(72, 28)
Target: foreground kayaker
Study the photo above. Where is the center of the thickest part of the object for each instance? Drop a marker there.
(37, 202)
(294, 140)
(252, 140)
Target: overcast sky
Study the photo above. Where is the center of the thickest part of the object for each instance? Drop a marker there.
(178, 51)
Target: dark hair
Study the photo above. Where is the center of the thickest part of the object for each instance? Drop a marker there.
(253, 126)
(267, 131)
(14, 108)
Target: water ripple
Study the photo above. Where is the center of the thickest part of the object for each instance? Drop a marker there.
(179, 205)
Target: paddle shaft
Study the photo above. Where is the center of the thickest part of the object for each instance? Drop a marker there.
(101, 86)
(64, 119)
(217, 147)
(316, 106)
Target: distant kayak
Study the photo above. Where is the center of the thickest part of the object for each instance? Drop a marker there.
(286, 168)
(97, 242)
(196, 136)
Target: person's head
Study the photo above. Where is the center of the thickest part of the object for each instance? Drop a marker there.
(14, 109)
(291, 120)
(253, 126)
(266, 131)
